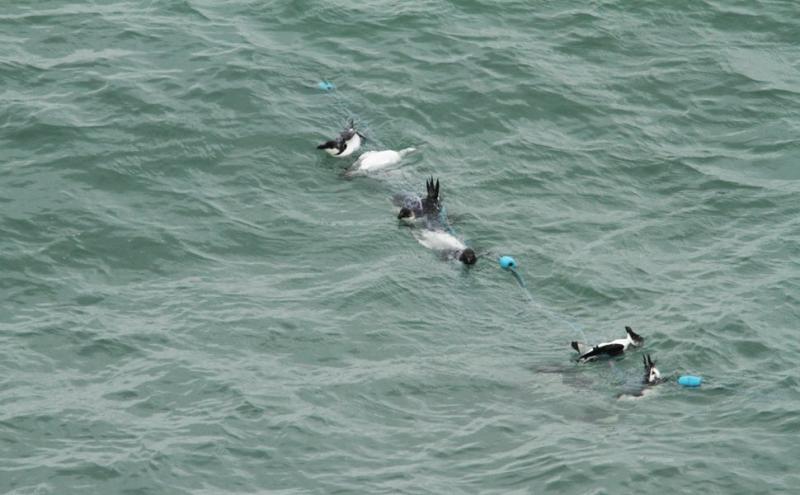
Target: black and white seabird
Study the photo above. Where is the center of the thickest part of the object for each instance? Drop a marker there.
(448, 245)
(651, 374)
(349, 140)
(414, 207)
(652, 377)
(608, 349)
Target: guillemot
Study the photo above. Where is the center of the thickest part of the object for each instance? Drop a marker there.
(448, 245)
(652, 377)
(608, 349)
(348, 141)
(435, 235)
(651, 374)
(413, 207)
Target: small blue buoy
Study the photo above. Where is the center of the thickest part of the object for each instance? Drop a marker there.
(326, 85)
(507, 262)
(690, 380)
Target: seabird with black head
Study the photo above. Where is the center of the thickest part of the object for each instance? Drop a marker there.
(413, 207)
(468, 257)
(348, 141)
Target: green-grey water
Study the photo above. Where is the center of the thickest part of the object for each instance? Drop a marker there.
(196, 300)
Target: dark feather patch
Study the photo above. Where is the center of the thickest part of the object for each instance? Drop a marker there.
(328, 145)
(635, 336)
(605, 350)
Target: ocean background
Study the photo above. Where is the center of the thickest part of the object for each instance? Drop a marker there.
(195, 300)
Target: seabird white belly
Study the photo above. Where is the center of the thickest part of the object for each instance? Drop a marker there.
(350, 146)
(374, 160)
(439, 240)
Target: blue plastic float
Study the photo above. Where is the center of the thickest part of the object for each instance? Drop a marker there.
(507, 262)
(690, 381)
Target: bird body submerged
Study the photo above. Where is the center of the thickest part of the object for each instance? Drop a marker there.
(434, 236)
(652, 377)
(448, 245)
(439, 240)
(414, 207)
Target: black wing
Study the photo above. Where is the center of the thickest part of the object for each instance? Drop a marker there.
(604, 350)
(430, 204)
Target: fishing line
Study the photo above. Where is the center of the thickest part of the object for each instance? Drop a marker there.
(343, 106)
(622, 377)
(445, 223)
(510, 264)
(507, 263)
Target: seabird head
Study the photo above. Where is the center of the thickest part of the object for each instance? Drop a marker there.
(406, 213)
(468, 257)
(348, 141)
(332, 147)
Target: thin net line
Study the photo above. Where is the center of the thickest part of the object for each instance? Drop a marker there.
(552, 314)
